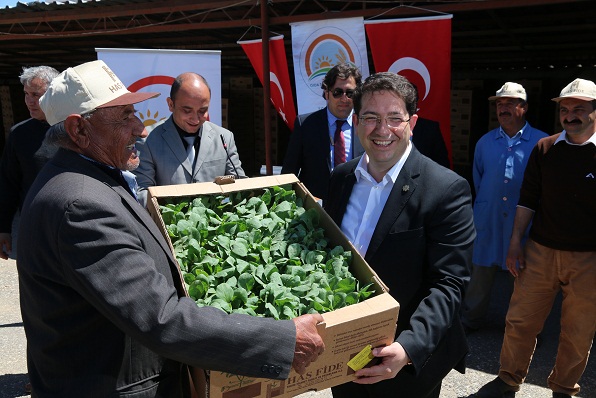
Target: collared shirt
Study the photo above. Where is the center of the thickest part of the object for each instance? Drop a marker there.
(563, 137)
(367, 201)
(560, 186)
(498, 171)
(131, 180)
(511, 141)
(347, 130)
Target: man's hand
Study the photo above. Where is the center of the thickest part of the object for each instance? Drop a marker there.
(394, 359)
(515, 256)
(5, 245)
(309, 344)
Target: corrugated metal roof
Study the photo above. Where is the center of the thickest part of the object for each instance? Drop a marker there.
(489, 37)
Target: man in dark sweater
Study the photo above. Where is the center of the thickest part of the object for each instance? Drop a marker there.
(557, 195)
(24, 155)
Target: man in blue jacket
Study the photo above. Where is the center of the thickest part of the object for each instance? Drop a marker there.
(500, 159)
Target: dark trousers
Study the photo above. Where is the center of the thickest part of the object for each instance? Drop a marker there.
(478, 294)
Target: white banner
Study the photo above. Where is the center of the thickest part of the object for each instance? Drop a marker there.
(155, 71)
(317, 47)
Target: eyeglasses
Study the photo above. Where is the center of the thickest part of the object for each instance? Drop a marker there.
(338, 92)
(390, 121)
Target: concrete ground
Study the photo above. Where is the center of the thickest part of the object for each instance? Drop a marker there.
(483, 361)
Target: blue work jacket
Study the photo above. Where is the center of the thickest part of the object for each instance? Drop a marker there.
(498, 173)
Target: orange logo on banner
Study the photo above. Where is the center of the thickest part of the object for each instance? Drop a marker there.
(324, 53)
(147, 118)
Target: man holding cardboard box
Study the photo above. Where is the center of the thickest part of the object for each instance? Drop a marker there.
(101, 299)
(412, 221)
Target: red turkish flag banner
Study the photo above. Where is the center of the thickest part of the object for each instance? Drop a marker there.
(281, 89)
(420, 50)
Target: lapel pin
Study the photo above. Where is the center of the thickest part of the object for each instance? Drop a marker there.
(405, 188)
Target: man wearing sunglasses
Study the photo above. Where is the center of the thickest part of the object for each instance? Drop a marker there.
(325, 138)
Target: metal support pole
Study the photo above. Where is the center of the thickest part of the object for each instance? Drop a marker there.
(266, 85)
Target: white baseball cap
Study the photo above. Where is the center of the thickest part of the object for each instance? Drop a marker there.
(86, 87)
(579, 88)
(510, 90)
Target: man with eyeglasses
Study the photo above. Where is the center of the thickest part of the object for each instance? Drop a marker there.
(323, 139)
(186, 147)
(412, 221)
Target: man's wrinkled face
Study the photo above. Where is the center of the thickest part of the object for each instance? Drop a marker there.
(190, 108)
(33, 91)
(342, 106)
(113, 132)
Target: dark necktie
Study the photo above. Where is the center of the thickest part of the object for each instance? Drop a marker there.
(192, 143)
(339, 144)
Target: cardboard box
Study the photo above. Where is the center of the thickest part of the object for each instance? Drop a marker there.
(345, 331)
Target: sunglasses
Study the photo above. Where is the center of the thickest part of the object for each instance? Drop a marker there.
(338, 93)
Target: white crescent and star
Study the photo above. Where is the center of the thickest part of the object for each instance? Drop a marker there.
(273, 79)
(415, 65)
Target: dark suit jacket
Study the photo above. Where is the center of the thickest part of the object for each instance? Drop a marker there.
(24, 155)
(164, 160)
(427, 138)
(422, 249)
(308, 154)
(100, 297)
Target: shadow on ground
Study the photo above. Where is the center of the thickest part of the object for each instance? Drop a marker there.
(12, 325)
(13, 385)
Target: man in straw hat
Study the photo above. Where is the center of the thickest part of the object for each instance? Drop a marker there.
(557, 195)
(100, 297)
(500, 158)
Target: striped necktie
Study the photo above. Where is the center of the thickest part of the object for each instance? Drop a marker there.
(339, 144)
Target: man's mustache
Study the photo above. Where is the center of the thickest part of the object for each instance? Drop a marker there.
(505, 114)
(574, 121)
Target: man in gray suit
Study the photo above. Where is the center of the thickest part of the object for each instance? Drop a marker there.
(101, 299)
(186, 147)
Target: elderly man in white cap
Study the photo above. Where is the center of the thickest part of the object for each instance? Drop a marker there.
(558, 195)
(102, 303)
(500, 158)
